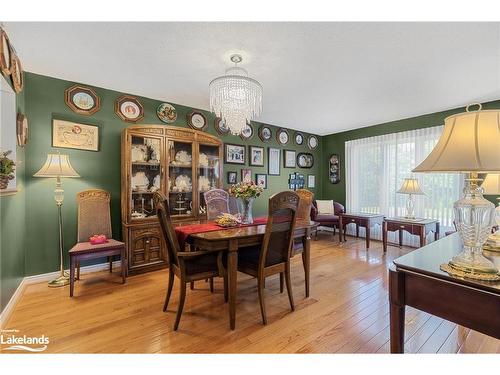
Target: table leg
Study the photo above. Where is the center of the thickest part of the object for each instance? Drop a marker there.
(357, 230)
(400, 238)
(436, 232)
(341, 228)
(306, 258)
(232, 268)
(123, 265)
(422, 236)
(72, 264)
(396, 311)
(384, 236)
(367, 236)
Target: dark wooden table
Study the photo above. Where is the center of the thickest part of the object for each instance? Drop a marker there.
(416, 280)
(237, 239)
(360, 220)
(419, 227)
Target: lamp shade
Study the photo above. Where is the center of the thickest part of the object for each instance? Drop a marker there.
(469, 143)
(57, 165)
(491, 184)
(410, 186)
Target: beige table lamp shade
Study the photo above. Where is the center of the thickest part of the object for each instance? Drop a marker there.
(57, 165)
(491, 184)
(470, 143)
(410, 186)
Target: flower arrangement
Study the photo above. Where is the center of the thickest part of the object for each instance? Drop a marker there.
(7, 167)
(245, 190)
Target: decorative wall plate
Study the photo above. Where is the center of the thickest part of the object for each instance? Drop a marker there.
(282, 136)
(197, 120)
(305, 160)
(312, 142)
(220, 126)
(16, 73)
(265, 133)
(129, 109)
(299, 138)
(5, 52)
(247, 132)
(82, 100)
(22, 130)
(167, 113)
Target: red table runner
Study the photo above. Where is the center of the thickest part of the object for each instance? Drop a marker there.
(184, 231)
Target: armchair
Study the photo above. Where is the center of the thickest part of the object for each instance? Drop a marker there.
(327, 220)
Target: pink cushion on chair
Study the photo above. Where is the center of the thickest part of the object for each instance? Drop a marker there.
(82, 247)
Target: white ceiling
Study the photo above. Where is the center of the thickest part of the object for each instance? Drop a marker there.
(317, 77)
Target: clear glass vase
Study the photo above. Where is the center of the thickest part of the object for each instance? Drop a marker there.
(474, 218)
(245, 210)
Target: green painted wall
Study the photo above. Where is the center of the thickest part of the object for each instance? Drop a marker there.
(335, 143)
(45, 100)
(13, 228)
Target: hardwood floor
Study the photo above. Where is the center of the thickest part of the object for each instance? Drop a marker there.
(346, 313)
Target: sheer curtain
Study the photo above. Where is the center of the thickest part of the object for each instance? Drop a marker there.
(376, 167)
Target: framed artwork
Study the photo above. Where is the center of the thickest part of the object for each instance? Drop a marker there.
(273, 161)
(167, 113)
(265, 133)
(305, 160)
(246, 175)
(232, 178)
(197, 120)
(21, 130)
(261, 179)
(289, 158)
(334, 169)
(234, 154)
(129, 109)
(311, 181)
(220, 126)
(256, 156)
(67, 134)
(298, 138)
(82, 100)
(247, 132)
(16, 73)
(282, 136)
(312, 142)
(5, 53)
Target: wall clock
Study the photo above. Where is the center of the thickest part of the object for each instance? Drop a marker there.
(197, 120)
(282, 136)
(247, 132)
(220, 126)
(5, 52)
(129, 109)
(167, 113)
(265, 133)
(299, 138)
(82, 100)
(312, 142)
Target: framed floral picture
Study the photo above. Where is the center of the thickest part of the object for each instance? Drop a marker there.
(261, 179)
(82, 100)
(246, 175)
(234, 154)
(67, 134)
(256, 156)
(289, 158)
(273, 161)
(129, 109)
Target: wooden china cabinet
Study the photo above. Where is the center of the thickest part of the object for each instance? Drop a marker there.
(180, 162)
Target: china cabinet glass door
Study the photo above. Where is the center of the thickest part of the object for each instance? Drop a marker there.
(145, 175)
(208, 172)
(180, 178)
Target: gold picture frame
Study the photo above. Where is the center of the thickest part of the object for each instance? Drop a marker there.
(129, 108)
(68, 134)
(82, 100)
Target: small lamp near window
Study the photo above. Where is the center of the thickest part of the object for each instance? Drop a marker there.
(57, 166)
(469, 144)
(411, 187)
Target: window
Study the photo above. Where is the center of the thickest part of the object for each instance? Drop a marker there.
(376, 167)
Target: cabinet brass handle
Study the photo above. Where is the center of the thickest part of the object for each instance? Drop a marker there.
(147, 241)
(402, 227)
(352, 220)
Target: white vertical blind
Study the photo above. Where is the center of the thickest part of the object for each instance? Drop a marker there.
(376, 168)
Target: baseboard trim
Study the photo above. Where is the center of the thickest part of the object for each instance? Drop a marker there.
(41, 278)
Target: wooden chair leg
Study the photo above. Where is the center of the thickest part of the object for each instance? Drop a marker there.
(169, 289)
(289, 285)
(78, 270)
(192, 285)
(123, 266)
(282, 281)
(182, 298)
(110, 260)
(260, 288)
(211, 284)
(226, 296)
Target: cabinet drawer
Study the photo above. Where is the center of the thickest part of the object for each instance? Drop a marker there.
(411, 228)
(358, 221)
(146, 247)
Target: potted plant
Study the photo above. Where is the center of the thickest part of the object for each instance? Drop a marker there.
(7, 167)
(246, 192)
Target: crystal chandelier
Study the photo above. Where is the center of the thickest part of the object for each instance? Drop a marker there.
(235, 97)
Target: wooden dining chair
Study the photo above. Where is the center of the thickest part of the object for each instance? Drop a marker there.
(273, 256)
(186, 265)
(217, 201)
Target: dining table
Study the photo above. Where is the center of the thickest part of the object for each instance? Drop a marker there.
(236, 239)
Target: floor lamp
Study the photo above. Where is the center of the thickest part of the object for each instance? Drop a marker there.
(57, 166)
